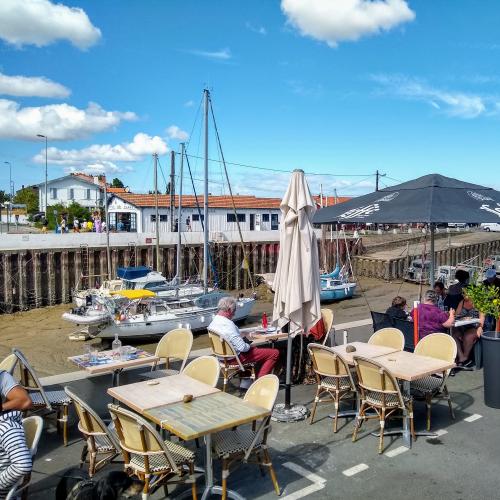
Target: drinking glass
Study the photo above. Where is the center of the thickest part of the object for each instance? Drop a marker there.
(94, 355)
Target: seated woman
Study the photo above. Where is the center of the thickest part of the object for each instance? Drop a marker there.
(467, 336)
(441, 294)
(397, 309)
(430, 318)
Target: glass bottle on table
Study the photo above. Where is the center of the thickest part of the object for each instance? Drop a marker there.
(116, 348)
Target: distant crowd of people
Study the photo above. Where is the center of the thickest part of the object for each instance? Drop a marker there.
(93, 225)
(440, 308)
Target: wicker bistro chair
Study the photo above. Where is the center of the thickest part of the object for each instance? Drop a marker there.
(228, 359)
(380, 392)
(333, 376)
(388, 337)
(100, 440)
(439, 346)
(176, 344)
(9, 363)
(205, 369)
(148, 456)
(44, 402)
(242, 444)
(327, 316)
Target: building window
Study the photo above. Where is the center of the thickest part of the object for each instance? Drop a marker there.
(265, 217)
(71, 194)
(163, 218)
(87, 194)
(53, 193)
(232, 218)
(274, 222)
(196, 217)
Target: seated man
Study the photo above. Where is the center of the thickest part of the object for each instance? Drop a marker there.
(15, 458)
(224, 326)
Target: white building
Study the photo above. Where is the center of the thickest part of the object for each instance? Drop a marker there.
(136, 213)
(74, 188)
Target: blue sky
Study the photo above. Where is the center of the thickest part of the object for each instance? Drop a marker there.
(339, 88)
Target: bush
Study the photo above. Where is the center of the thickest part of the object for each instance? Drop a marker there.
(75, 210)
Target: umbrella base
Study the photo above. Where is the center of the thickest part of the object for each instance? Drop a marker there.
(293, 414)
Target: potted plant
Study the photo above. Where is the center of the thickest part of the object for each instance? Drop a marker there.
(486, 299)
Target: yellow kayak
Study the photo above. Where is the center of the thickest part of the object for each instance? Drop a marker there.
(134, 294)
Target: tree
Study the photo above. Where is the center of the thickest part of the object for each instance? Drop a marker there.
(117, 183)
(4, 196)
(29, 197)
(75, 210)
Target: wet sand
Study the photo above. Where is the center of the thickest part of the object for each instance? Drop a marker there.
(43, 336)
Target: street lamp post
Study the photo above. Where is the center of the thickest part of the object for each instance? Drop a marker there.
(11, 191)
(46, 195)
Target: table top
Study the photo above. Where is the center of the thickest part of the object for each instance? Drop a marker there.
(409, 366)
(107, 364)
(141, 396)
(362, 349)
(466, 321)
(205, 415)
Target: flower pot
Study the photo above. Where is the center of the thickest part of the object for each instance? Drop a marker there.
(491, 368)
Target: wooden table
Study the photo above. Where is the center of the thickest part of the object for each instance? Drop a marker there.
(258, 335)
(362, 349)
(143, 396)
(407, 367)
(114, 366)
(466, 322)
(202, 417)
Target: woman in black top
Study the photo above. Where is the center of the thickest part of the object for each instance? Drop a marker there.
(397, 309)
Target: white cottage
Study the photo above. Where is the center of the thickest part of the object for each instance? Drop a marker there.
(84, 189)
(136, 213)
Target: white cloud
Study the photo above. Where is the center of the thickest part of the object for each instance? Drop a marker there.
(40, 23)
(333, 21)
(31, 86)
(56, 121)
(221, 55)
(98, 168)
(457, 104)
(174, 132)
(105, 154)
(305, 90)
(189, 104)
(260, 30)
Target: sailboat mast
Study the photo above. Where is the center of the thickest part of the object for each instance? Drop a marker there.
(179, 218)
(206, 93)
(106, 218)
(157, 216)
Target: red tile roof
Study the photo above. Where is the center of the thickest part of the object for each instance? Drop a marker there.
(90, 178)
(116, 190)
(330, 200)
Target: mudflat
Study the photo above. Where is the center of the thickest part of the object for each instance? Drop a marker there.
(43, 335)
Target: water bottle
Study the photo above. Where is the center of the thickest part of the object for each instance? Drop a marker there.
(116, 347)
(264, 321)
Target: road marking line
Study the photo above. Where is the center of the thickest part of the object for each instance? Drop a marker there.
(441, 432)
(396, 452)
(474, 417)
(318, 482)
(355, 470)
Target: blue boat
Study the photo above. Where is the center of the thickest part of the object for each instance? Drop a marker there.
(335, 286)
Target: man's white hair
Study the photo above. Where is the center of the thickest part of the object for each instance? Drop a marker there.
(227, 304)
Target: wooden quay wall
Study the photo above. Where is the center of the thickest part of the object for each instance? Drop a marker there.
(32, 278)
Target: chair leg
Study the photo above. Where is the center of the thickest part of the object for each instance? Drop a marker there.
(336, 418)
(412, 422)
(145, 489)
(315, 404)
(194, 492)
(382, 425)
(225, 473)
(92, 461)
(428, 401)
(259, 461)
(83, 456)
(359, 420)
(224, 382)
(274, 479)
(448, 398)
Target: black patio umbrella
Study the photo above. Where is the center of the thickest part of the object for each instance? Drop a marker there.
(430, 199)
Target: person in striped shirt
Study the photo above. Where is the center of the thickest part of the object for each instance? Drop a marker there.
(15, 458)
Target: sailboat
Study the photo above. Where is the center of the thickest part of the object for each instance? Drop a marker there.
(145, 316)
(336, 285)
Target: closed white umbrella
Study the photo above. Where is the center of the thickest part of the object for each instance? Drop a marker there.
(296, 283)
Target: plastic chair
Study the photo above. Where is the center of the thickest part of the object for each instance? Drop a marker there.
(9, 363)
(388, 337)
(205, 369)
(33, 430)
(333, 377)
(242, 444)
(100, 440)
(45, 402)
(228, 359)
(327, 316)
(146, 455)
(439, 346)
(176, 344)
(380, 392)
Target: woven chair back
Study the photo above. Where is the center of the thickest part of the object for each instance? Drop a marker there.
(176, 344)
(438, 346)
(220, 347)
(326, 362)
(8, 364)
(32, 430)
(205, 369)
(263, 392)
(327, 315)
(388, 337)
(90, 421)
(374, 377)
